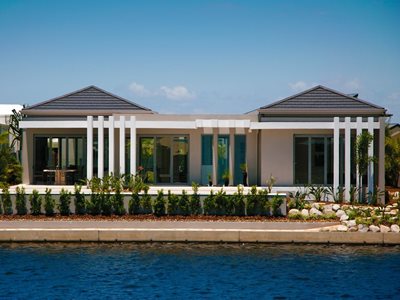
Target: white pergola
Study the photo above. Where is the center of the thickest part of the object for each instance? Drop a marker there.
(215, 126)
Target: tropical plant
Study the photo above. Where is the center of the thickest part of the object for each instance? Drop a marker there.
(270, 183)
(318, 191)
(194, 202)
(362, 159)
(20, 201)
(353, 193)
(7, 203)
(118, 203)
(65, 202)
(36, 203)
(80, 203)
(226, 176)
(253, 203)
(159, 204)
(338, 195)
(298, 199)
(375, 195)
(49, 203)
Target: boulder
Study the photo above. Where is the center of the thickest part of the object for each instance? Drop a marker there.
(351, 223)
(305, 213)
(394, 212)
(335, 207)
(315, 212)
(316, 205)
(364, 229)
(352, 229)
(395, 228)
(344, 217)
(384, 229)
(342, 228)
(294, 211)
(340, 213)
(374, 228)
(327, 210)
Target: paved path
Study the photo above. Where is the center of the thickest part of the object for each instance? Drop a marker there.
(164, 224)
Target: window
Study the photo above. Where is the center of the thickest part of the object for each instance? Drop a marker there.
(206, 158)
(313, 160)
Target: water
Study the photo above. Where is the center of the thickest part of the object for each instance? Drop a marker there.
(218, 271)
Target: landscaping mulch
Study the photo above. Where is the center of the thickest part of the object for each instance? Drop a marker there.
(152, 218)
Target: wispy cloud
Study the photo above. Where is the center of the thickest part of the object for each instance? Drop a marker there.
(179, 92)
(299, 86)
(353, 84)
(139, 90)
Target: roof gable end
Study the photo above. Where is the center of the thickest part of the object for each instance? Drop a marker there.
(88, 98)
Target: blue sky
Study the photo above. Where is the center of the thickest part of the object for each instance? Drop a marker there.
(200, 56)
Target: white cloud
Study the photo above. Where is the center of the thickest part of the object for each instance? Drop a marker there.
(299, 86)
(179, 92)
(353, 84)
(139, 90)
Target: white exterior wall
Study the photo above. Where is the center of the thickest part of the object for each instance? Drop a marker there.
(276, 154)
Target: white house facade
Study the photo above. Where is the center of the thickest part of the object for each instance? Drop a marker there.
(307, 138)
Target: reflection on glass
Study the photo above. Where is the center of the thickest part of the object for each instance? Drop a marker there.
(163, 159)
(223, 158)
(301, 160)
(146, 159)
(206, 159)
(317, 160)
(240, 158)
(180, 151)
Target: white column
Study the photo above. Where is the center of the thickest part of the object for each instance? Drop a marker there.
(89, 149)
(358, 133)
(336, 152)
(347, 157)
(100, 142)
(133, 145)
(122, 145)
(215, 157)
(381, 166)
(231, 155)
(111, 145)
(370, 154)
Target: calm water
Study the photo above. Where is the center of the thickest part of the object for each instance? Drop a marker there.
(175, 271)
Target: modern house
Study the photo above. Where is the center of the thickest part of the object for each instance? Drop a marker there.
(307, 138)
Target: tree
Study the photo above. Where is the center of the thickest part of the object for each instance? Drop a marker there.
(392, 160)
(10, 168)
(362, 158)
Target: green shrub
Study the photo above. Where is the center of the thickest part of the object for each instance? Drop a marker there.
(7, 203)
(20, 201)
(173, 200)
(159, 204)
(80, 203)
(194, 202)
(49, 203)
(318, 191)
(36, 203)
(297, 217)
(65, 201)
(106, 203)
(94, 204)
(145, 202)
(223, 203)
(210, 205)
(276, 202)
(183, 204)
(118, 203)
(239, 202)
(253, 203)
(134, 204)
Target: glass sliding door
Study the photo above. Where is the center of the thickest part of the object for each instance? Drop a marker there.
(163, 159)
(180, 153)
(206, 159)
(223, 157)
(146, 158)
(67, 154)
(240, 159)
(301, 160)
(318, 160)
